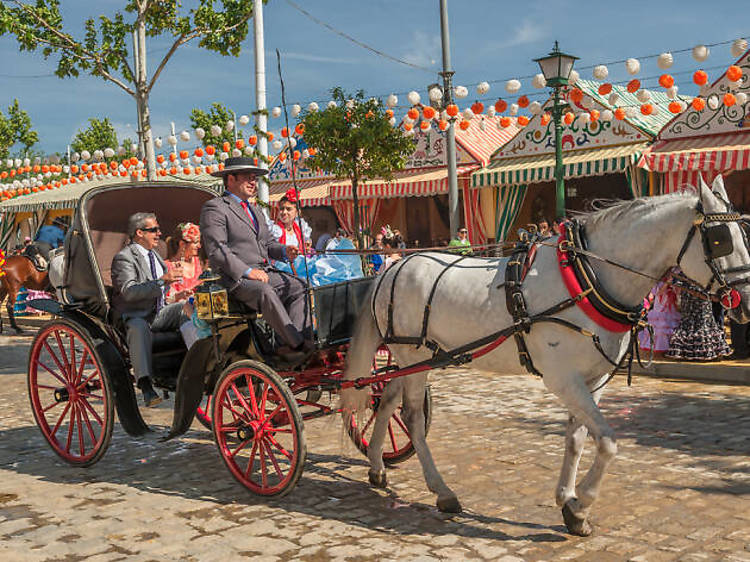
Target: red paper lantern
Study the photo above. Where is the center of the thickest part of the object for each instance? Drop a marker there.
(388, 113)
(605, 89)
(226, 147)
(501, 105)
(729, 99)
(647, 109)
(505, 122)
(594, 113)
(463, 125)
(666, 81)
(734, 73)
(198, 152)
(252, 140)
(675, 107)
(576, 95)
(699, 104)
(284, 132)
(633, 86)
(523, 101)
(568, 118)
(442, 124)
(546, 118)
(184, 154)
(619, 114)
(428, 112)
(477, 107)
(413, 114)
(240, 144)
(451, 109)
(210, 150)
(133, 161)
(700, 77)
(523, 120)
(408, 126)
(300, 129)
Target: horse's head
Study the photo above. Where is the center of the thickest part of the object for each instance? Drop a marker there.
(715, 253)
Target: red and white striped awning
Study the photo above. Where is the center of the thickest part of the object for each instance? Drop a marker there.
(710, 153)
(407, 183)
(313, 192)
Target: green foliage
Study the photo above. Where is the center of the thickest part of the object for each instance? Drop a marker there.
(127, 144)
(218, 114)
(104, 48)
(355, 140)
(100, 134)
(15, 129)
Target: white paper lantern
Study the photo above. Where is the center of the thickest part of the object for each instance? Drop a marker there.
(215, 130)
(584, 118)
(539, 81)
(85, 154)
(196, 159)
(158, 142)
(741, 98)
(292, 142)
(413, 97)
(643, 96)
(491, 111)
(121, 150)
(736, 85)
(409, 133)
(631, 112)
(683, 105)
(606, 115)
(601, 72)
(200, 133)
(633, 66)
(248, 150)
(350, 104)
(244, 120)
(229, 127)
(108, 152)
(26, 161)
(573, 78)
(185, 161)
(427, 128)
(312, 107)
(172, 140)
(483, 88)
(468, 114)
(656, 110)
(535, 108)
(184, 136)
(236, 152)
(701, 52)
(392, 121)
(140, 165)
(713, 102)
(305, 153)
(513, 108)
(461, 91)
(276, 111)
(739, 46)
(76, 157)
(408, 120)
(672, 92)
(332, 104)
(223, 156)
(276, 145)
(164, 164)
(296, 110)
(133, 147)
(66, 170)
(210, 157)
(9, 162)
(512, 86)
(436, 94)
(391, 101)
(665, 60)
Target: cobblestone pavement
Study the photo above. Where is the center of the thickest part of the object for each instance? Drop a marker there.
(678, 490)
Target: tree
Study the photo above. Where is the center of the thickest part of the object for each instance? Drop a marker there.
(15, 128)
(103, 51)
(100, 134)
(217, 115)
(355, 140)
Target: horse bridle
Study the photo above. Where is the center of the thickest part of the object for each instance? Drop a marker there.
(717, 243)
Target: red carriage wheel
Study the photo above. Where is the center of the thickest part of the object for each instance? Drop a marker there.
(258, 428)
(398, 446)
(203, 413)
(70, 393)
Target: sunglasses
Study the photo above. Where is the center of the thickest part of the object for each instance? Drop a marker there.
(152, 229)
(463, 232)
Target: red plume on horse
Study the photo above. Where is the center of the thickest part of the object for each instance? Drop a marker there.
(17, 272)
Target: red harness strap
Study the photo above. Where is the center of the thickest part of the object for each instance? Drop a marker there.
(575, 290)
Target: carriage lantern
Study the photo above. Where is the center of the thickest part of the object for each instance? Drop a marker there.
(211, 299)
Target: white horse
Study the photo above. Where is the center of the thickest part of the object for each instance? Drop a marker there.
(646, 235)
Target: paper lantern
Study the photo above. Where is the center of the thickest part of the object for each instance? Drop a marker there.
(391, 100)
(568, 118)
(435, 94)
(600, 72)
(428, 112)
(184, 136)
(284, 132)
(172, 140)
(620, 114)
(699, 104)
(269, 136)
(388, 113)
(243, 120)
(739, 46)
(158, 143)
(85, 154)
(276, 145)
(300, 129)
(675, 107)
(413, 97)
(452, 110)
(513, 109)
(505, 122)
(605, 89)
(594, 115)
(463, 125)
(666, 81)
(210, 150)
(729, 99)
(442, 124)
(647, 109)
(701, 52)
(539, 81)
(501, 105)
(413, 114)
(483, 88)
(331, 104)
(633, 86)
(535, 108)
(108, 152)
(574, 77)
(236, 152)
(392, 121)
(183, 154)
(225, 146)
(734, 73)
(576, 95)
(408, 126)
(424, 125)
(613, 98)
(160, 158)
(461, 91)
(312, 107)
(215, 130)
(665, 60)
(741, 98)
(523, 101)
(512, 86)
(643, 96)
(523, 120)
(477, 107)
(633, 66)
(468, 114)
(672, 92)
(700, 77)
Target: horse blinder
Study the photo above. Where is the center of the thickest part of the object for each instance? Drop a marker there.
(718, 241)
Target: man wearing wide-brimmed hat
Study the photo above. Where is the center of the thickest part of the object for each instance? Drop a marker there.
(239, 246)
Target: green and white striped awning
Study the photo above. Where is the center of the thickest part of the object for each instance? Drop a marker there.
(525, 170)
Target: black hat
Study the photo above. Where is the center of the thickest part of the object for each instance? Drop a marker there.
(240, 165)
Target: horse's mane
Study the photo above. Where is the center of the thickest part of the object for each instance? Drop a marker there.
(614, 210)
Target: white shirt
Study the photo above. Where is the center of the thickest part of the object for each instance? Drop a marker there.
(144, 252)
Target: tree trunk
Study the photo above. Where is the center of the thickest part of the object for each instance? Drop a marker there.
(145, 135)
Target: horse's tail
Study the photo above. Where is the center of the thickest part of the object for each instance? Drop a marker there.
(359, 358)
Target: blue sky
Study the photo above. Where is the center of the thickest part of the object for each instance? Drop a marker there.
(490, 40)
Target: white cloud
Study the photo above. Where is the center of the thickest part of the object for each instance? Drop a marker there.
(424, 49)
(314, 58)
(527, 31)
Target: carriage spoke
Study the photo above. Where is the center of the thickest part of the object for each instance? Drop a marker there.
(80, 369)
(269, 417)
(239, 448)
(253, 397)
(242, 400)
(369, 422)
(392, 436)
(70, 427)
(401, 424)
(51, 372)
(56, 360)
(46, 387)
(61, 347)
(89, 426)
(81, 446)
(95, 396)
(263, 467)
(55, 403)
(85, 382)
(273, 460)
(263, 399)
(60, 419)
(281, 449)
(73, 375)
(93, 412)
(227, 405)
(252, 460)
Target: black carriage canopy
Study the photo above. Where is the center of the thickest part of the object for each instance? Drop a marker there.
(100, 226)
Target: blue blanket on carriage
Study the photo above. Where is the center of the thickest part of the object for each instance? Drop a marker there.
(327, 268)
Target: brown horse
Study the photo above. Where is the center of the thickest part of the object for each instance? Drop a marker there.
(19, 272)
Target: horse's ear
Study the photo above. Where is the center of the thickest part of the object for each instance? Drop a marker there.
(719, 189)
(704, 192)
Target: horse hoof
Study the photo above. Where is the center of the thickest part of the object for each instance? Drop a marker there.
(578, 526)
(378, 479)
(449, 505)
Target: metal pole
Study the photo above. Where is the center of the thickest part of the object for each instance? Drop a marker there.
(68, 161)
(234, 116)
(559, 172)
(261, 119)
(453, 211)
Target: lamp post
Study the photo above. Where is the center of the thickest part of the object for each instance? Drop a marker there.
(556, 68)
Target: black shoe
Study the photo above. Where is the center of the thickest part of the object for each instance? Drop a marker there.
(150, 398)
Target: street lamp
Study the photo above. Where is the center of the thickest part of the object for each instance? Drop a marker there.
(556, 68)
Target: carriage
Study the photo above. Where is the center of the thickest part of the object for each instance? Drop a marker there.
(254, 403)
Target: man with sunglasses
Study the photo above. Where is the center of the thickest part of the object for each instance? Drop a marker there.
(461, 242)
(140, 279)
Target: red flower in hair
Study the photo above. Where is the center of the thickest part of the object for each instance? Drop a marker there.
(291, 195)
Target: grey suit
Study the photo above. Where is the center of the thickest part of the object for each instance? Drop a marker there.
(135, 298)
(234, 244)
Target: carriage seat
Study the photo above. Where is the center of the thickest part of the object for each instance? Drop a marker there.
(239, 308)
(167, 342)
